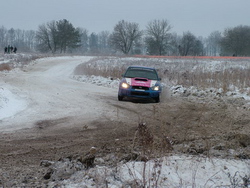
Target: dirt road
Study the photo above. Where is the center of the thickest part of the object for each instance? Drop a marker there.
(51, 94)
(65, 117)
(61, 118)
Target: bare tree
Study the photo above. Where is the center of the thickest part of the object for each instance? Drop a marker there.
(173, 48)
(52, 31)
(190, 45)
(30, 39)
(19, 37)
(45, 38)
(103, 42)
(11, 36)
(124, 36)
(236, 41)
(84, 40)
(3, 34)
(158, 37)
(60, 35)
(22, 39)
(93, 43)
(213, 47)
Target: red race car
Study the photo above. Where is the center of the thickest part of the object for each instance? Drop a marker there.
(140, 82)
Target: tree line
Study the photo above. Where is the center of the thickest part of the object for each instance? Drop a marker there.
(127, 38)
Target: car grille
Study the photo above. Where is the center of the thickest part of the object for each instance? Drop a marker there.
(140, 87)
(141, 93)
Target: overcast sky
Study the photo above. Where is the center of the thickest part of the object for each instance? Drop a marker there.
(200, 17)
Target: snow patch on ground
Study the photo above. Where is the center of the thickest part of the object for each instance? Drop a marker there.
(10, 103)
(98, 80)
(172, 171)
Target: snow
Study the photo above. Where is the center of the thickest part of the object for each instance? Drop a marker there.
(170, 171)
(10, 103)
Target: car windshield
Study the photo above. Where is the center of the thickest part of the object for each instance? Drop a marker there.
(142, 73)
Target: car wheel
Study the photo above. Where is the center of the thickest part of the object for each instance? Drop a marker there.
(120, 98)
(157, 99)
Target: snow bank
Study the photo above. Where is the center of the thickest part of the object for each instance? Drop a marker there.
(98, 80)
(172, 171)
(10, 103)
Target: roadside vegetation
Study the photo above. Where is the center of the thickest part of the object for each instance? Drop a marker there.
(11, 61)
(201, 73)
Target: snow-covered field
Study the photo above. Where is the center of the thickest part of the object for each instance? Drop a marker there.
(170, 171)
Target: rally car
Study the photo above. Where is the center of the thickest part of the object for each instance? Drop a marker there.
(140, 82)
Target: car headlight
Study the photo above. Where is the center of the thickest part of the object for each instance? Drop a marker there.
(156, 88)
(125, 85)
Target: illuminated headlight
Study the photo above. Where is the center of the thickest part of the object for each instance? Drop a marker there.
(156, 88)
(125, 85)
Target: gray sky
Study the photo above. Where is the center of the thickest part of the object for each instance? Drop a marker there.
(201, 17)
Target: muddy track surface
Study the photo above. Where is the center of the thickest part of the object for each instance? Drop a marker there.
(66, 118)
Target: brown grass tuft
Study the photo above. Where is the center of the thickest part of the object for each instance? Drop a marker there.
(5, 67)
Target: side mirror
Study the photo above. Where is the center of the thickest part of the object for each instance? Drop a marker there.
(159, 79)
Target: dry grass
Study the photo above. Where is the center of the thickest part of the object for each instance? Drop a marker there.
(222, 79)
(17, 60)
(5, 67)
(93, 67)
(186, 72)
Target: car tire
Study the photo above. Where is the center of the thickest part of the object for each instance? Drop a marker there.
(157, 99)
(120, 98)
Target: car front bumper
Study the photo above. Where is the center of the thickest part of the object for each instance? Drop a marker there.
(138, 93)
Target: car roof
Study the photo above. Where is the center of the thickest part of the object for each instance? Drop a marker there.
(142, 67)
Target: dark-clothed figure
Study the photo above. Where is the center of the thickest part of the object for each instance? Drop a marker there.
(15, 49)
(8, 49)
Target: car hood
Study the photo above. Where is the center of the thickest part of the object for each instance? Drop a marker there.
(144, 82)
